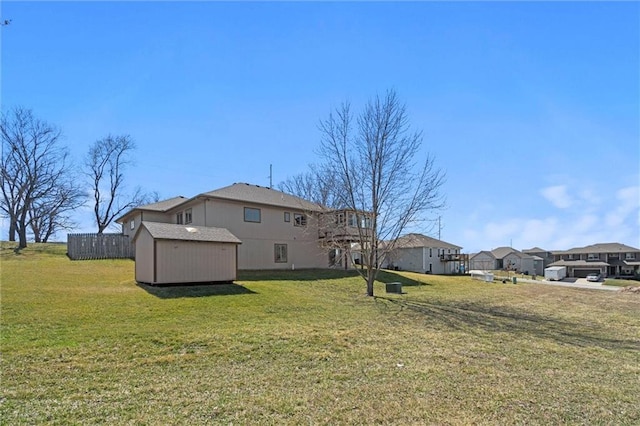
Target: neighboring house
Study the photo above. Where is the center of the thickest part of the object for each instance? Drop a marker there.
(483, 261)
(277, 230)
(419, 253)
(607, 259)
(503, 258)
(540, 255)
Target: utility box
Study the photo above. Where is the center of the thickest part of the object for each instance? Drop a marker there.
(394, 287)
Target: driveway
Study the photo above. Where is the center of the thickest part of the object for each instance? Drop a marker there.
(575, 283)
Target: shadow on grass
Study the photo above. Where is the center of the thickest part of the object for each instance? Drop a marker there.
(475, 317)
(194, 290)
(384, 276)
(295, 275)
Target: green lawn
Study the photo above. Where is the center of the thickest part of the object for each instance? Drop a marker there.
(83, 344)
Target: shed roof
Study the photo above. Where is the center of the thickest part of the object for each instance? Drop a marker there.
(170, 231)
(419, 240)
(262, 195)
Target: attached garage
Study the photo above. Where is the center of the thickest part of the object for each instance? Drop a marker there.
(176, 254)
(582, 273)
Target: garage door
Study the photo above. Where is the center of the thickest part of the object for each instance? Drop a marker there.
(582, 273)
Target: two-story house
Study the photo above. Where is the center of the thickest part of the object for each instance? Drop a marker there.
(607, 259)
(276, 230)
(420, 253)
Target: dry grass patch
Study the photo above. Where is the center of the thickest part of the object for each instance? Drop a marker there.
(83, 343)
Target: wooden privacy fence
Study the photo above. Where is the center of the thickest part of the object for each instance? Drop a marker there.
(99, 246)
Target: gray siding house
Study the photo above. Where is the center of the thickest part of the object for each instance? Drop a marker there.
(506, 258)
(419, 253)
(607, 259)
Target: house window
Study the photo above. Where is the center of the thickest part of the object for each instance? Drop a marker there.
(179, 218)
(430, 252)
(287, 217)
(251, 215)
(353, 220)
(366, 222)
(593, 256)
(299, 219)
(340, 218)
(570, 257)
(132, 225)
(630, 256)
(280, 251)
(188, 216)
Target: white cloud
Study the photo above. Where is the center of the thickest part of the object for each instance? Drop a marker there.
(628, 201)
(615, 219)
(558, 196)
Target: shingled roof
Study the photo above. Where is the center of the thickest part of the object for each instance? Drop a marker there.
(419, 240)
(501, 252)
(599, 248)
(170, 231)
(160, 206)
(261, 195)
(164, 205)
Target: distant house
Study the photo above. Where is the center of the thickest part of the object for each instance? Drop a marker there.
(277, 230)
(543, 258)
(506, 258)
(419, 253)
(607, 259)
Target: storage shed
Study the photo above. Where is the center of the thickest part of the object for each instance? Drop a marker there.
(167, 253)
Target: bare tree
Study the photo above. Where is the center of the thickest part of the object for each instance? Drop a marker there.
(52, 212)
(316, 185)
(106, 162)
(33, 166)
(378, 178)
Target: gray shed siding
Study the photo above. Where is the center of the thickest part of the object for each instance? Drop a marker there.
(145, 257)
(194, 261)
(160, 261)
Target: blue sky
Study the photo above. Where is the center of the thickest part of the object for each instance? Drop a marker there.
(532, 109)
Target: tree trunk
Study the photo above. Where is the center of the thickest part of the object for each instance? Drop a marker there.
(22, 234)
(12, 230)
(370, 280)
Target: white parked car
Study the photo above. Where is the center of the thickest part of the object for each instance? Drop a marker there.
(593, 277)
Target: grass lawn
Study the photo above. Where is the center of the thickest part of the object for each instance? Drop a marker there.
(82, 343)
(619, 282)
